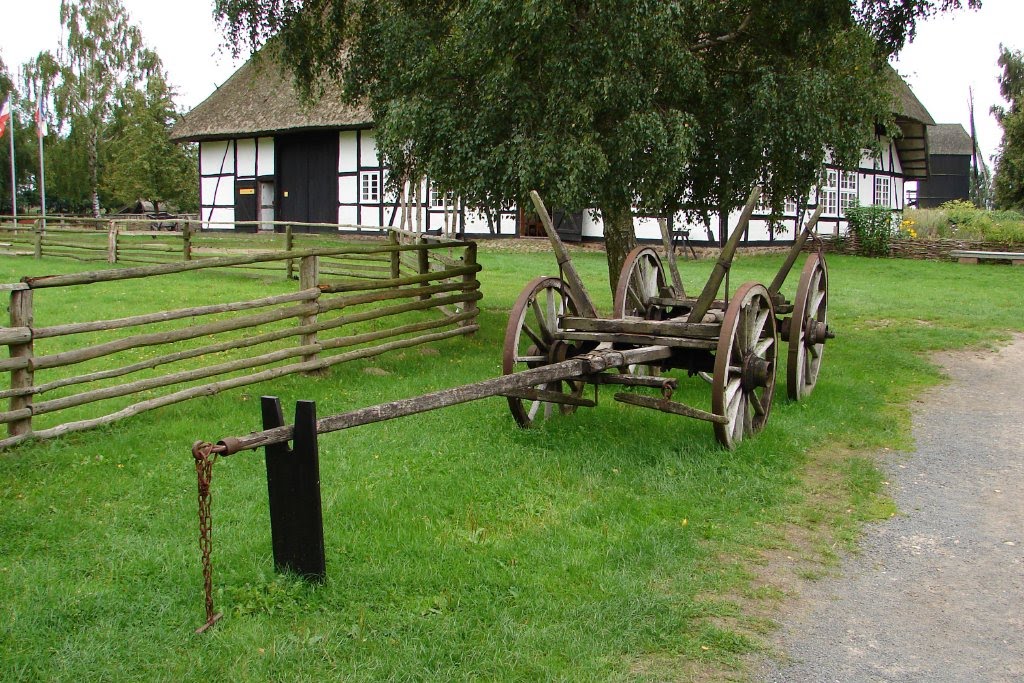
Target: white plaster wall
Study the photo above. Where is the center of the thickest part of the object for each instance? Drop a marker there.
(897, 167)
(371, 215)
(348, 189)
(593, 226)
(265, 157)
(215, 219)
(865, 189)
(476, 223)
(218, 190)
(347, 215)
(245, 154)
(213, 154)
(368, 150)
(348, 159)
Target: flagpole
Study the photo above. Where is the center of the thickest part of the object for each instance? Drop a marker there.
(14, 181)
(42, 175)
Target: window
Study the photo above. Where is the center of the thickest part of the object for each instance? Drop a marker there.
(883, 190)
(790, 207)
(847, 191)
(439, 199)
(828, 192)
(369, 187)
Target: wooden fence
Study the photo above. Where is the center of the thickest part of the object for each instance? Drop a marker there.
(352, 302)
(138, 240)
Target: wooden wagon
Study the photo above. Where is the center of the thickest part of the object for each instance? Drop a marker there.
(733, 343)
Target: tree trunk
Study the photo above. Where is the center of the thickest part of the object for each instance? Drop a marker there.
(619, 239)
(94, 171)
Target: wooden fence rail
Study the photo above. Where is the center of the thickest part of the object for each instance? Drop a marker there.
(142, 241)
(339, 313)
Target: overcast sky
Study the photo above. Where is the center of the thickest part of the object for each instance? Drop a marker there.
(951, 54)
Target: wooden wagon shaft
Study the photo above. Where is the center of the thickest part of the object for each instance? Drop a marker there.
(670, 255)
(794, 251)
(672, 407)
(574, 368)
(710, 291)
(565, 265)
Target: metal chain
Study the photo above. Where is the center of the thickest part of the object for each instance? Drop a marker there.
(205, 454)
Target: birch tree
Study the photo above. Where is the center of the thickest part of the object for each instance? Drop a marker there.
(103, 54)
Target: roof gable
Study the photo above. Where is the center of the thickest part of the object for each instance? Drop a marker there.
(260, 99)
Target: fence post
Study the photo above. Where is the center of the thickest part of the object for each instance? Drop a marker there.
(112, 242)
(468, 280)
(423, 263)
(37, 240)
(289, 245)
(21, 316)
(396, 256)
(309, 278)
(186, 241)
(293, 489)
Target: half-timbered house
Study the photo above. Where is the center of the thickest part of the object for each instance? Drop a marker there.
(264, 156)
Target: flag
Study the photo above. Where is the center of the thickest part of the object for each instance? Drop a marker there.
(5, 116)
(41, 119)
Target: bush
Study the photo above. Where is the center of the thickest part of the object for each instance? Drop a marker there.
(962, 220)
(875, 226)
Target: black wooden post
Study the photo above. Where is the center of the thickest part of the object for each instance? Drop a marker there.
(293, 485)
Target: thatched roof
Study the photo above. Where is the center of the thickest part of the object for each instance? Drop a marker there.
(907, 105)
(913, 120)
(950, 138)
(260, 99)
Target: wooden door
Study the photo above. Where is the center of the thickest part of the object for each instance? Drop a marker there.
(245, 205)
(307, 178)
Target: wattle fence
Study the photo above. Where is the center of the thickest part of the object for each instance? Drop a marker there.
(353, 301)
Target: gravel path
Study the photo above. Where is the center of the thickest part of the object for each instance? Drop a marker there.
(937, 593)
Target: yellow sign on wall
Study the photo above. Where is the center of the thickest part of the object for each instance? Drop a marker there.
(246, 190)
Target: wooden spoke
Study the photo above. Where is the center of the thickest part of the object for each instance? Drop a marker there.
(810, 311)
(530, 343)
(540, 318)
(732, 390)
(537, 339)
(743, 382)
(761, 346)
(755, 403)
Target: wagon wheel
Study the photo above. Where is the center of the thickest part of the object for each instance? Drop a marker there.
(744, 379)
(808, 329)
(642, 278)
(530, 343)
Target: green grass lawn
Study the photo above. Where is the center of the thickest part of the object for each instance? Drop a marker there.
(615, 543)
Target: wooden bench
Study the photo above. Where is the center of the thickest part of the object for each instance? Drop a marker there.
(965, 256)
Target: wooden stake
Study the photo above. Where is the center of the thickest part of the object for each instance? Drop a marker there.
(22, 378)
(112, 243)
(309, 278)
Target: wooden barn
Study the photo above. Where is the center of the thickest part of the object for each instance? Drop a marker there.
(264, 157)
(950, 150)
